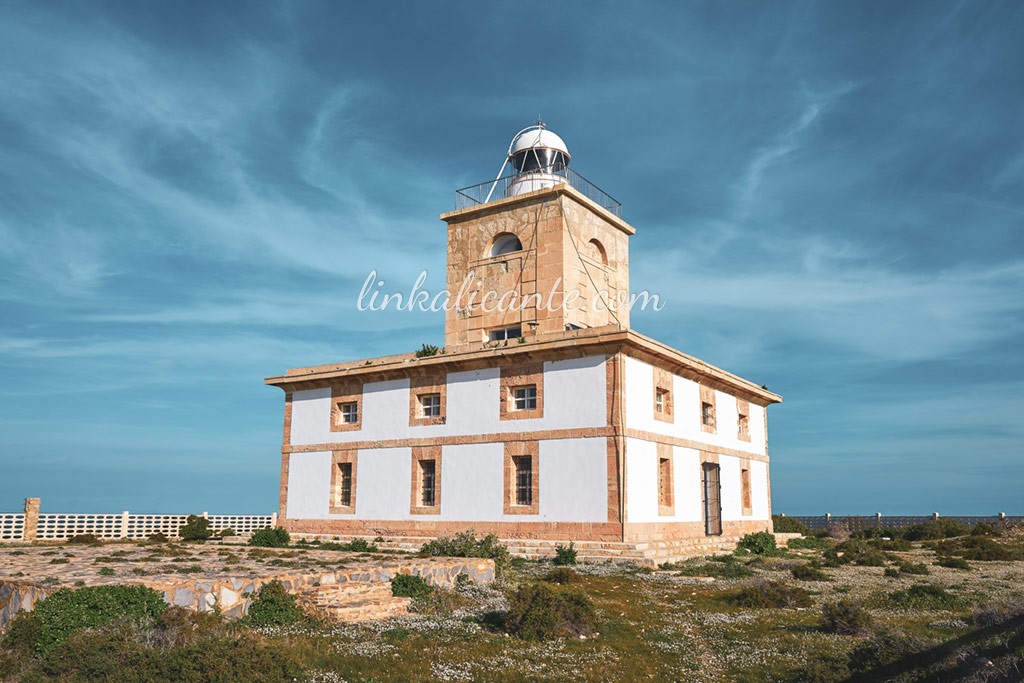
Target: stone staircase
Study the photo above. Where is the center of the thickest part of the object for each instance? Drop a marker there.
(353, 602)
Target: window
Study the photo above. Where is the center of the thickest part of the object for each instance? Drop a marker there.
(427, 471)
(707, 409)
(430, 405)
(349, 413)
(745, 488)
(346, 406)
(524, 398)
(506, 243)
(425, 493)
(505, 333)
(743, 420)
(660, 401)
(524, 479)
(707, 414)
(665, 503)
(663, 381)
(344, 484)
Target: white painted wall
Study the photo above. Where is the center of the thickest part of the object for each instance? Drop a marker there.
(573, 483)
(639, 411)
(642, 485)
(574, 397)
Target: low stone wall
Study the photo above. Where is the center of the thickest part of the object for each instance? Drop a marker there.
(216, 588)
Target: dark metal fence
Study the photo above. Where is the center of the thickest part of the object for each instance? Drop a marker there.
(493, 190)
(860, 522)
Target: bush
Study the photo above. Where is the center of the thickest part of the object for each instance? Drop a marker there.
(892, 572)
(837, 532)
(771, 594)
(809, 543)
(936, 529)
(106, 571)
(195, 529)
(789, 525)
(22, 633)
(912, 568)
(563, 575)
(884, 647)
(983, 529)
(564, 555)
(226, 532)
(541, 612)
(978, 548)
(157, 538)
(270, 538)
(824, 668)
(65, 611)
(761, 543)
(85, 539)
(427, 350)
(845, 617)
(924, 596)
(810, 572)
(953, 563)
(467, 545)
(404, 585)
(273, 606)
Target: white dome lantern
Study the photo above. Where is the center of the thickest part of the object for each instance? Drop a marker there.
(539, 159)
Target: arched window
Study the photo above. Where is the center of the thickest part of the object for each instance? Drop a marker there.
(505, 243)
(595, 251)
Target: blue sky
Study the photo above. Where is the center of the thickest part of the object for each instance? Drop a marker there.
(827, 195)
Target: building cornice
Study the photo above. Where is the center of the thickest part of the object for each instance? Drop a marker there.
(563, 189)
(570, 344)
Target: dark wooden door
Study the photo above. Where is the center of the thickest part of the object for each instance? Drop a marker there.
(712, 499)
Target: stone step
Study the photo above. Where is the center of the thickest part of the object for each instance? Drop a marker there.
(354, 602)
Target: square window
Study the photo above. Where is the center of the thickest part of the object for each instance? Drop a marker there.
(348, 413)
(524, 479)
(430, 405)
(524, 398)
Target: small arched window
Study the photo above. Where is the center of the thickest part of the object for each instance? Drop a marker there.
(596, 251)
(505, 243)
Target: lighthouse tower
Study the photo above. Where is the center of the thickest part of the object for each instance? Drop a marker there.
(543, 233)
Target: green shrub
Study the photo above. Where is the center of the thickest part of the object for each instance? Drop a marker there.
(270, 538)
(809, 543)
(789, 525)
(810, 572)
(466, 544)
(722, 566)
(892, 572)
(761, 543)
(22, 634)
(195, 529)
(563, 575)
(936, 529)
(106, 571)
(540, 612)
(978, 548)
(912, 568)
(407, 586)
(983, 529)
(831, 558)
(565, 555)
(826, 667)
(66, 610)
(228, 531)
(954, 563)
(273, 606)
(85, 539)
(771, 594)
(427, 350)
(157, 538)
(886, 645)
(122, 655)
(923, 596)
(845, 617)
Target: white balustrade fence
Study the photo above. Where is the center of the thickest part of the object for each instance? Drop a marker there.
(12, 526)
(59, 526)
